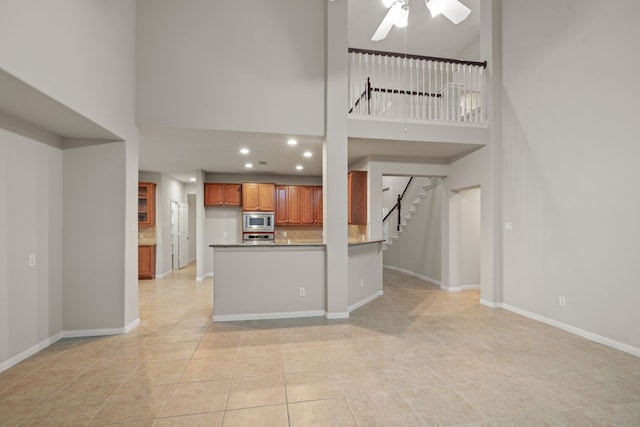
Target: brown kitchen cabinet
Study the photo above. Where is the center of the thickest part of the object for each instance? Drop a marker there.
(298, 205)
(317, 205)
(146, 262)
(258, 197)
(218, 194)
(288, 204)
(310, 205)
(146, 204)
(357, 189)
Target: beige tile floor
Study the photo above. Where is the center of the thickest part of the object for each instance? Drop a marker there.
(415, 357)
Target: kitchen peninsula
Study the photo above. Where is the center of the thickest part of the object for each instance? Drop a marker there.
(268, 281)
(287, 280)
(279, 269)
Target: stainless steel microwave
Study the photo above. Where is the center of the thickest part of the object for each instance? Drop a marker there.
(257, 221)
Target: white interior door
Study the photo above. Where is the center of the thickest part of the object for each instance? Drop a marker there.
(174, 235)
(183, 235)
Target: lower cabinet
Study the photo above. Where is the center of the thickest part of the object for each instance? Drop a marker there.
(146, 262)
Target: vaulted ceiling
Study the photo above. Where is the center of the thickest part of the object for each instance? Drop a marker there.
(423, 36)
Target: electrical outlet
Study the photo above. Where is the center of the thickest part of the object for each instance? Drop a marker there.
(362, 283)
(32, 260)
(562, 301)
(225, 234)
(302, 292)
(284, 234)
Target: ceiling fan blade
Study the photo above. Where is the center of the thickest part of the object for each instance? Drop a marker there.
(456, 12)
(385, 25)
(453, 10)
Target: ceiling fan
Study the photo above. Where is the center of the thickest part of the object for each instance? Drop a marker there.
(398, 14)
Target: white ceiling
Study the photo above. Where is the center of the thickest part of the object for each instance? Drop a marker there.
(424, 35)
(180, 152)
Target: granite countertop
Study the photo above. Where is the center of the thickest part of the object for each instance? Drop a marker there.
(366, 242)
(287, 244)
(267, 245)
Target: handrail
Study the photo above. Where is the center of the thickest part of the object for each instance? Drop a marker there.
(411, 56)
(398, 204)
(404, 92)
(366, 92)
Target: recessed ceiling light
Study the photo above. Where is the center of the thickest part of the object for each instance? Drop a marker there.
(292, 141)
(248, 165)
(192, 179)
(299, 167)
(307, 154)
(244, 151)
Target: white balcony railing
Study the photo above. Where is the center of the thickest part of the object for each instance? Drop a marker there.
(393, 85)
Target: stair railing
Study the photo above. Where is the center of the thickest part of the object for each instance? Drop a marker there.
(398, 205)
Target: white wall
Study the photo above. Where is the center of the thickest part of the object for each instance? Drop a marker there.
(278, 179)
(30, 223)
(191, 201)
(571, 163)
(222, 225)
(470, 242)
(365, 273)
(79, 52)
(81, 55)
(249, 66)
(94, 221)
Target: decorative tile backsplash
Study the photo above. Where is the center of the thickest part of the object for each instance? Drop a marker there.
(313, 234)
(299, 234)
(147, 235)
(358, 233)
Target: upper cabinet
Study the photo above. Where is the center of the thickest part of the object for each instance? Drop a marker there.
(310, 205)
(216, 194)
(357, 190)
(298, 205)
(258, 197)
(287, 204)
(146, 204)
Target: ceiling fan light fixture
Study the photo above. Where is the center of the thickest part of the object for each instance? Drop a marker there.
(453, 10)
(400, 14)
(435, 6)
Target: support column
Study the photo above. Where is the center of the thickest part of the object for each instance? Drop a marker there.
(335, 162)
(201, 244)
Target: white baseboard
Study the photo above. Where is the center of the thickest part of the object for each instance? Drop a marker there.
(469, 287)
(201, 278)
(365, 301)
(337, 315)
(565, 327)
(419, 276)
(101, 332)
(131, 326)
(65, 334)
(451, 288)
(490, 303)
(161, 275)
(29, 352)
(267, 316)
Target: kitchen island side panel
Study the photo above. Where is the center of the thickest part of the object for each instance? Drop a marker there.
(260, 282)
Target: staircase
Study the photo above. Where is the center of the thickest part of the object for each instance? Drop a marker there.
(415, 194)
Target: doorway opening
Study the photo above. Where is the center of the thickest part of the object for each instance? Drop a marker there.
(465, 239)
(179, 235)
